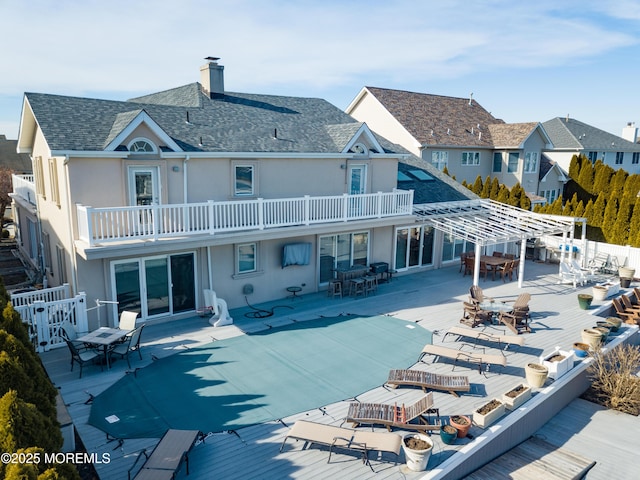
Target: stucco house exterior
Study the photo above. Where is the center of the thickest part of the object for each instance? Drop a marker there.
(456, 133)
(572, 137)
(144, 203)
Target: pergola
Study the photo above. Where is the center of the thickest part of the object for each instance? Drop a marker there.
(487, 222)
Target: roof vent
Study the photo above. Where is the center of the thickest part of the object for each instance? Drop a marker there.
(470, 98)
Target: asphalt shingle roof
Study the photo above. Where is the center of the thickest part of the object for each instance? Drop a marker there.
(511, 134)
(17, 162)
(569, 133)
(438, 120)
(230, 122)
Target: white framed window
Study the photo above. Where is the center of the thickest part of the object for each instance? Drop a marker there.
(470, 158)
(619, 158)
(247, 258)
(141, 145)
(514, 159)
(635, 159)
(440, 159)
(243, 180)
(530, 162)
(593, 156)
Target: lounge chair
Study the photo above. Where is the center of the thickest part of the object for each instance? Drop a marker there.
(516, 320)
(396, 416)
(345, 438)
(429, 381)
(628, 306)
(567, 275)
(628, 316)
(476, 295)
(486, 336)
(167, 456)
(481, 359)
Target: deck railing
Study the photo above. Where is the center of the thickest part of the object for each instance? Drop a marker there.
(24, 186)
(116, 224)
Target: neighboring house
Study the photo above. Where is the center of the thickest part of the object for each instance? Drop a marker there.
(552, 180)
(456, 133)
(17, 162)
(571, 137)
(149, 201)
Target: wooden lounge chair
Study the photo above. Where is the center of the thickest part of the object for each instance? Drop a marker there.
(628, 306)
(486, 336)
(630, 317)
(345, 438)
(396, 416)
(429, 381)
(476, 295)
(166, 458)
(516, 320)
(481, 359)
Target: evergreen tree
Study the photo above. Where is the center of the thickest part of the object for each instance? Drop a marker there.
(579, 210)
(556, 207)
(602, 177)
(588, 212)
(585, 178)
(495, 188)
(620, 233)
(486, 188)
(634, 225)
(477, 186)
(609, 219)
(617, 182)
(574, 166)
(598, 210)
(503, 195)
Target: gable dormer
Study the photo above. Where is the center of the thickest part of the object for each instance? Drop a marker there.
(128, 126)
(363, 143)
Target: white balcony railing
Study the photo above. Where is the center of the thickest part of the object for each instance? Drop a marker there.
(116, 224)
(24, 186)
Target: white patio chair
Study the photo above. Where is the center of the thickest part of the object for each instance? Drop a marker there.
(582, 274)
(567, 275)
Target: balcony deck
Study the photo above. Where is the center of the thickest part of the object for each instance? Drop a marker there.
(431, 299)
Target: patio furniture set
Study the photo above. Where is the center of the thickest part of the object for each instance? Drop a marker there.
(359, 280)
(504, 264)
(105, 342)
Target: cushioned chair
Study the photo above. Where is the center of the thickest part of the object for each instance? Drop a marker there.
(82, 356)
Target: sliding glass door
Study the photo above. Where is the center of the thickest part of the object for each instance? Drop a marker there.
(155, 286)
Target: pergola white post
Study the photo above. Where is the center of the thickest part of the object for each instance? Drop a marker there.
(476, 267)
(564, 245)
(523, 252)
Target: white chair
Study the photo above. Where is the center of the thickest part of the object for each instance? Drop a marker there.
(567, 275)
(127, 320)
(583, 275)
(218, 307)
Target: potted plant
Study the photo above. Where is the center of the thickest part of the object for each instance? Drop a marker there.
(625, 282)
(488, 413)
(584, 300)
(536, 374)
(448, 434)
(417, 450)
(580, 350)
(592, 337)
(558, 362)
(461, 423)
(615, 323)
(516, 396)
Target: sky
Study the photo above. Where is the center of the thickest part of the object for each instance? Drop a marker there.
(523, 61)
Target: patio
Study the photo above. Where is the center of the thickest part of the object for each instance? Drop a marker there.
(432, 300)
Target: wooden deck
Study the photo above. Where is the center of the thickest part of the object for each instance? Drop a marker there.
(431, 299)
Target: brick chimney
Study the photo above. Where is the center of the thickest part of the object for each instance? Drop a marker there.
(212, 77)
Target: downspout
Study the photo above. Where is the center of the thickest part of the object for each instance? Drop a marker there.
(74, 276)
(185, 183)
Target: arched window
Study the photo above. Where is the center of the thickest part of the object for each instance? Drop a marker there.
(141, 145)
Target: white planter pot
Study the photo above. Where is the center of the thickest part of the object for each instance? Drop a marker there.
(511, 403)
(558, 368)
(599, 293)
(417, 459)
(536, 374)
(483, 420)
(611, 288)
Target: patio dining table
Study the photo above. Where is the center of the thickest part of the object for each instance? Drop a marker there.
(104, 337)
(494, 263)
